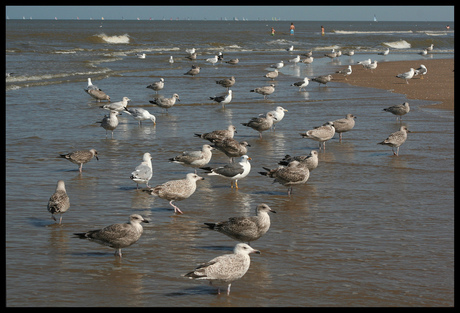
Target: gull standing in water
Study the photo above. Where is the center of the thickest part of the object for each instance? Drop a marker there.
(272, 75)
(117, 106)
(233, 171)
(346, 72)
(396, 139)
(117, 236)
(59, 202)
(213, 60)
(344, 124)
(195, 70)
(265, 91)
(156, 86)
(278, 115)
(322, 79)
(80, 157)
(225, 269)
(293, 174)
(226, 82)
(261, 123)
(321, 134)
(176, 190)
(224, 99)
(231, 147)
(399, 110)
(302, 84)
(140, 115)
(295, 60)
(245, 228)
(278, 65)
(110, 122)
(310, 161)
(194, 159)
(218, 134)
(143, 172)
(96, 92)
(386, 52)
(165, 103)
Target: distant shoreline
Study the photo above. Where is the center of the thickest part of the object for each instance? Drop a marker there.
(437, 85)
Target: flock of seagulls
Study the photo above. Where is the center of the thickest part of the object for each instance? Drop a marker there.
(291, 170)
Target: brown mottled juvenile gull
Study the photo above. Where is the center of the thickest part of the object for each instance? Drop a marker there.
(226, 82)
(144, 171)
(272, 75)
(165, 103)
(407, 75)
(321, 134)
(223, 99)
(343, 125)
(97, 94)
(218, 134)
(302, 84)
(80, 157)
(399, 110)
(140, 115)
(310, 161)
(110, 122)
(195, 70)
(226, 268)
(232, 171)
(265, 91)
(231, 147)
(293, 174)
(176, 190)
(194, 159)
(191, 56)
(261, 123)
(232, 61)
(322, 79)
(59, 202)
(157, 85)
(245, 228)
(396, 139)
(117, 236)
(117, 106)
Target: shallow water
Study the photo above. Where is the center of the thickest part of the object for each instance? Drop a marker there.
(368, 228)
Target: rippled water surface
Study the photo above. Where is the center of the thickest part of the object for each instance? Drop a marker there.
(368, 228)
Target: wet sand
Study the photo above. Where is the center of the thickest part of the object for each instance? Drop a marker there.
(437, 85)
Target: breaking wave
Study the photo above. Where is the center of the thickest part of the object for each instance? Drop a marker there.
(400, 44)
(114, 39)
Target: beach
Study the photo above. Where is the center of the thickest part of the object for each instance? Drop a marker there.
(437, 85)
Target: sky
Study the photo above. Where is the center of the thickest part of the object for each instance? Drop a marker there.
(289, 13)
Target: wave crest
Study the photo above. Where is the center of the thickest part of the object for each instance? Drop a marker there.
(114, 39)
(400, 44)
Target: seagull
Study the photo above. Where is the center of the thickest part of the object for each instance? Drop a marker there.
(165, 103)
(194, 159)
(231, 147)
(291, 48)
(143, 172)
(195, 70)
(157, 85)
(91, 86)
(349, 53)
(322, 79)
(225, 99)
(140, 115)
(245, 228)
(59, 202)
(278, 65)
(365, 62)
(117, 106)
(213, 60)
(272, 75)
(344, 124)
(265, 91)
(96, 92)
(407, 75)
(176, 190)
(430, 48)
(191, 56)
(310, 161)
(117, 236)
(80, 157)
(331, 55)
(386, 52)
(171, 60)
(295, 60)
(308, 60)
(232, 61)
(278, 115)
(219, 134)
(321, 134)
(422, 70)
(225, 269)
(226, 82)
(220, 56)
(140, 55)
(110, 122)
(261, 123)
(302, 84)
(396, 139)
(345, 72)
(232, 171)
(293, 174)
(190, 50)
(399, 110)
(371, 66)
(424, 52)
(308, 54)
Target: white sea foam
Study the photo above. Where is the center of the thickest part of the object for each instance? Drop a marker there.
(114, 39)
(349, 32)
(400, 44)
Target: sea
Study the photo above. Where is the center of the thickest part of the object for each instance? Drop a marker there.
(368, 229)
